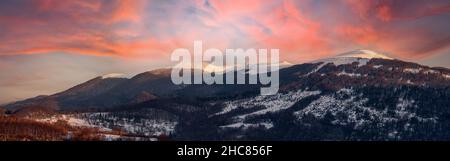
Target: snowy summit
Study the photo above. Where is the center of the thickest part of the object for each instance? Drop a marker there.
(113, 75)
(367, 54)
(360, 56)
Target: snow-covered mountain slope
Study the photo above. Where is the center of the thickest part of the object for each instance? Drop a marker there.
(366, 54)
(113, 75)
(210, 68)
(352, 96)
(359, 56)
(263, 105)
(350, 108)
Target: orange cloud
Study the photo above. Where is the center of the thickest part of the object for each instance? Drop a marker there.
(272, 24)
(294, 33)
(302, 30)
(407, 29)
(384, 13)
(361, 35)
(85, 27)
(128, 10)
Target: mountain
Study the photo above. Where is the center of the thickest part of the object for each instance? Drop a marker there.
(111, 91)
(358, 95)
(106, 91)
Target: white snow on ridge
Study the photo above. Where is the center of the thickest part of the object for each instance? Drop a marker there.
(359, 56)
(211, 68)
(113, 75)
(337, 62)
(342, 60)
(366, 54)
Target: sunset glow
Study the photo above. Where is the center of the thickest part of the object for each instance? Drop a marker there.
(131, 33)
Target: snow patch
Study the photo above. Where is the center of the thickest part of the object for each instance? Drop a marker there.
(106, 122)
(412, 70)
(377, 66)
(213, 68)
(431, 72)
(409, 82)
(317, 68)
(446, 76)
(143, 126)
(113, 75)
(266, 125)
(71, 120)
(359, 56)
(349, 74)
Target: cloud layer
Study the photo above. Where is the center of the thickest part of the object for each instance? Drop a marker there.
(51, 45)
(301, 29)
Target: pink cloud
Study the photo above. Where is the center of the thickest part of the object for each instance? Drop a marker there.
(302, 30)
(128, 10)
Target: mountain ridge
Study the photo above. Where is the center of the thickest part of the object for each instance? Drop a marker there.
(115, 90)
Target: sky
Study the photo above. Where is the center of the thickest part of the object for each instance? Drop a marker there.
(47, 46)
